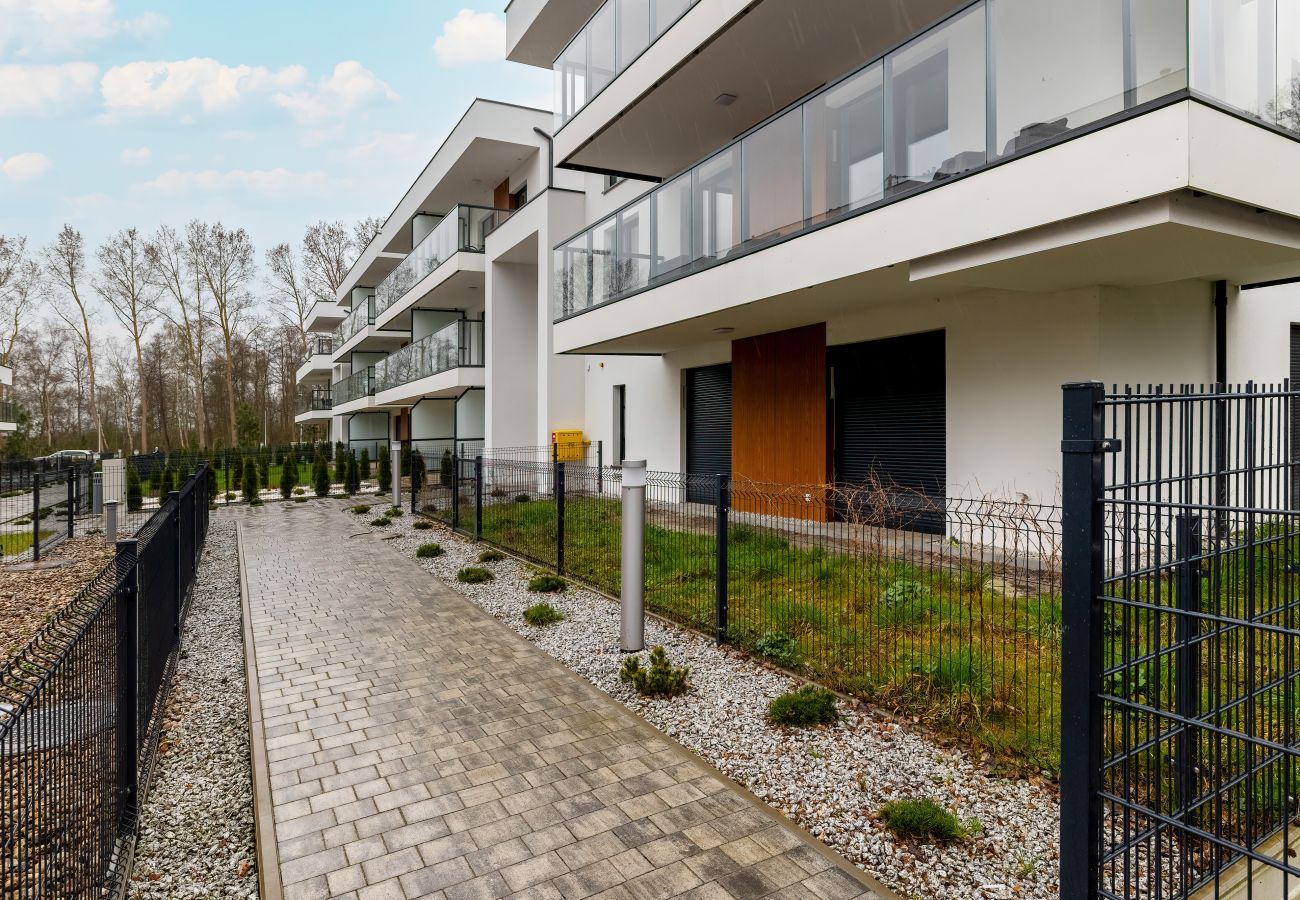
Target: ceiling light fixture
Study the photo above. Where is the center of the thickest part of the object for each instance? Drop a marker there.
(725, 99)
(724, 329)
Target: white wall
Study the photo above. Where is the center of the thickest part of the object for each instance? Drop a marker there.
(1259, 333)
(433, 418)
(425, 322)
(511, 357)
(470, 421)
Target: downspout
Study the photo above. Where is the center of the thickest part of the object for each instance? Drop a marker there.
(550, 156)
(1221, 332)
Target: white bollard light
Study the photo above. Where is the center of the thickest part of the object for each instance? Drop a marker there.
(632, 597)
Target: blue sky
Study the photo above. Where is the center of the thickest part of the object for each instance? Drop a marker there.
(265, 114)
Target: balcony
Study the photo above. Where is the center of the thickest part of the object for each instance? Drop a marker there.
(362, 314)
(316, 361)
(615, 35)
(316, 400)
(324, 316)
(995, 81)
(8, 415)
(458, 345)
(461, 230)
(356, 386)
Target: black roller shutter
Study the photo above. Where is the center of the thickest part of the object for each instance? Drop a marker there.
(891, 423)
(708, 430)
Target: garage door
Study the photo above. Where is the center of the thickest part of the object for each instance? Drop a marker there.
(708, 430)
(890, 422)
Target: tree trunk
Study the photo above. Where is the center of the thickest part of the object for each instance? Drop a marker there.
(230, 394)
(144, 398)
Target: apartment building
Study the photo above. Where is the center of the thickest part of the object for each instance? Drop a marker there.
(821, 241)
(441, 330)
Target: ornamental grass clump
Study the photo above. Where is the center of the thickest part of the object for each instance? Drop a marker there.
(808, 706)
(422, 524)
(547, 584)
(539, 615)
(662, 679)
(473, 575)
(393, 511)
(922, 819)
(429, 551)
(360, 509)
(381, 522)
(491, 556)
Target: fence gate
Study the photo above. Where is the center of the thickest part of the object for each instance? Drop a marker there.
(1180, 744)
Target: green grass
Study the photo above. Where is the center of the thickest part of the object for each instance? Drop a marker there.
(13, 543)
(921, 639)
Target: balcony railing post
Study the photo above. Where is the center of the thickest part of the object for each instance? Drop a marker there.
(128, 731)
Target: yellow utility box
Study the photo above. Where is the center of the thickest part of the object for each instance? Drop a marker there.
(569, 445)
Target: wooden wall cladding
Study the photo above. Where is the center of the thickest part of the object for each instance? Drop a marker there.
(779, 411)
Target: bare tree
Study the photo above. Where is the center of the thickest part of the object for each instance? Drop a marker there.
(290, 289)
(125, 282)
(365, 231)
(175, 269)
(328, 249)
(43, 374)
(65, 265)
(20, 277)
(224, 257)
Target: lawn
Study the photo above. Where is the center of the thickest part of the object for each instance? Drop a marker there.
(15, 542)
(950, 640)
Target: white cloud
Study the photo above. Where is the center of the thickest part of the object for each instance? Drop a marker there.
(277, 182)
(385, 145)
(165, 86)
(334, 96)
(471, 37)
(42, 89)
(135, 156)
(41, 28)
(26, 166)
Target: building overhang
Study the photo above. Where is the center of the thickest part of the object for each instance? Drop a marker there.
(1089, 211)
(443, 385)
(312, 416)
(371, 339)
(316, 367)
(456, 284)
(537, 30)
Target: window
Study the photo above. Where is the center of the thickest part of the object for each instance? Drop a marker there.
(611, 181)
(619, 441)
(519, 197)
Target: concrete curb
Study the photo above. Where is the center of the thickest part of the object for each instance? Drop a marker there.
(268, 854)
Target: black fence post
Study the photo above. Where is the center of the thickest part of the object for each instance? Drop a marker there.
(559, 518)
(600, 468)
(128, 764)
(36, 517)
(73, 475)
(1083, 554)
(1187, 550)
(225, 460)
(720, 595)
(455, 492)
(478, 498)
(175, 498)
(415, 488)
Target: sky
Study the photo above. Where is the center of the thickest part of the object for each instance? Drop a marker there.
(267, 115)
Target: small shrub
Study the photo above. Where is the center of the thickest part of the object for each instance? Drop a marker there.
(922, 819)
(539, 615)
(962, 673)
(360, 509)
(249, 481)
(393, 511)
(473, 575)
(904, 590)
(778, 647)
(363, 464)
(547, 584)
(134, 494)
(522, 498)
(422, 524)
(497, 492)
(300, 499)
(429, 551)
(298, 492)
(662, 679)
(320, 476)
(491, 556)
(23, 521)
(810, 705)
(230, 495)
(381, 522)
(257, 501)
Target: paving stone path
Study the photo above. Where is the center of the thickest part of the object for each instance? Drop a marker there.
(416, 747)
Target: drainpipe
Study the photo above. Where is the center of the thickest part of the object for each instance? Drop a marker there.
(1221, 332)
(550, 156)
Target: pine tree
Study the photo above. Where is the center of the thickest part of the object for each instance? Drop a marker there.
(365, 464)
(236, 472)
(212, 485)
(165, 483)
(417, 472)
(134, 495)
(288, 476)
(321, 476)
(406, 460)
(250, 480)
(385, 473)
(352, 475)
(264, 467)
(290, 467)
(340, 465)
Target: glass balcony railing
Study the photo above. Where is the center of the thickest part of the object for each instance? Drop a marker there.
(315, 400)
(354, 387)
(454, 346)
(319, 345)
(462, 229)
(993, 80)
(615, 35)
(8, 411)
(362, 314)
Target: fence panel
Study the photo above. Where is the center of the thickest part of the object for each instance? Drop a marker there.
(1184, 762)
(81, 714)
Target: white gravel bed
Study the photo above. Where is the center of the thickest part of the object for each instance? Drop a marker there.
(831, 779)
(196, 828)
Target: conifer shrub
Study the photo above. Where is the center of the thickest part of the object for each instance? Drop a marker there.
(394, 511)
(539, 615)
(354, 475)
(381, 522)
(249, 480)
(547, 584)
(340, 465)
(422, 524)
(809, 705)
(288, 477)
(662, 679)
(134, 494)
(385, 474)
(364, 463)
(417, 472)
(922, 819)
(491, 556)
(321, 477)
(429, 551)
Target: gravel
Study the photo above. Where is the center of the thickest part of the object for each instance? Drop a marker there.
(196, 828)
(832, 780)
(30, 598)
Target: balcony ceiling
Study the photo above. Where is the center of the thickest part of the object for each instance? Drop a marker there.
(470, 179)
(537, 30)
(768, 57)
